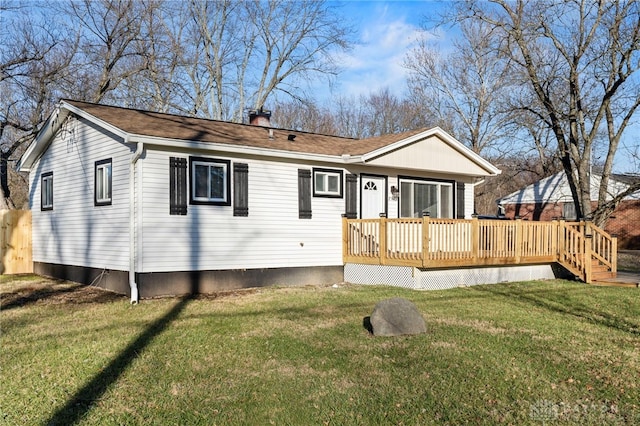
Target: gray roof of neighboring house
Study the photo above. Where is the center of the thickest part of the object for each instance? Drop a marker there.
(555, 188)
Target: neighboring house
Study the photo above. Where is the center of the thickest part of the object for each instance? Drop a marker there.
(148, 203)
(550, 198)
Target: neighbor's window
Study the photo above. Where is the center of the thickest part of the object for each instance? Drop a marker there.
(103, 183)
(46, 194)
(569, 211)
(419, 197)
(327, 183)
(210, 181)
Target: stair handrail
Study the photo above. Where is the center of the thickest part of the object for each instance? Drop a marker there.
(604, 246)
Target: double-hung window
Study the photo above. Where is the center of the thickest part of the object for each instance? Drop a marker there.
(46, 191)
(418, 197)
(210, 182)
(103, 183)
(327, 183)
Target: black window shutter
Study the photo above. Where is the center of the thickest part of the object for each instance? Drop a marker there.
(460, 200)
(177, 186)
(351, 198)
(240, 189)
(304, 194)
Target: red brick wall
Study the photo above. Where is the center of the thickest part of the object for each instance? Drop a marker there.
(624, 222)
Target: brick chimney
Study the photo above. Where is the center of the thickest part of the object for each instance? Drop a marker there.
(260, 117)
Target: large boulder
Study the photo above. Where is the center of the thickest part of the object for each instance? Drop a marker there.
(396, 317)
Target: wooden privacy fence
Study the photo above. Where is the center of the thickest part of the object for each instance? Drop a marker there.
(581, 247)
(15, 242)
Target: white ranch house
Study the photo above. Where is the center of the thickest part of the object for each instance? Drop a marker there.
(147, 203)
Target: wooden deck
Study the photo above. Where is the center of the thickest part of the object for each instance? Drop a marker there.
(581, 247)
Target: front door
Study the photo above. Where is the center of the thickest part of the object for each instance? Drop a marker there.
(373, 191)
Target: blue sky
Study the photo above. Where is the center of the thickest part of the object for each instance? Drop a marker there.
(386, 31)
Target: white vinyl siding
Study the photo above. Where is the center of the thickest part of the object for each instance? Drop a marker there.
(209, 237)
(76, 232)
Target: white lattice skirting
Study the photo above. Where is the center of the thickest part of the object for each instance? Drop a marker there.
(430, 279)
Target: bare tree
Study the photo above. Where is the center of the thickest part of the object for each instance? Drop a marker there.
(109, 31)
(579, 59)
(465, 90)
(155, 86)
(249, 51)
(304, 116)
(375, 114)
(34, 57)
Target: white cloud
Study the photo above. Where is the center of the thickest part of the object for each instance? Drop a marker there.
(386, 33)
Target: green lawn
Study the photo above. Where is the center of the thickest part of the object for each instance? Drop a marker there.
(553, 352)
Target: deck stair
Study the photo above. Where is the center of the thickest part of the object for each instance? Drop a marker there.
(600, 271)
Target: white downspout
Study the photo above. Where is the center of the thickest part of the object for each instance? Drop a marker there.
(132, 222)
(477, 181)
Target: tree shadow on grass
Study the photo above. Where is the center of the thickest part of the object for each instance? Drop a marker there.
(560, 302)
(86, 397)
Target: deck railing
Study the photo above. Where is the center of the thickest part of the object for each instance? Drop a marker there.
(439, 243)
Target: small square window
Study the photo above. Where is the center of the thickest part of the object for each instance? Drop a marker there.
(327, 183)
(210, 181)
(103, 183)
(46, 194)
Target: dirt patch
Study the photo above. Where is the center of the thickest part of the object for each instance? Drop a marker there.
(22, 290)
(629, 260)
(28, 290)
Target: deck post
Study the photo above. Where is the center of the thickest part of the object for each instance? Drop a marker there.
(614, 255)
(345, 238)
(588, 241)
(382, 245)
(475, 238)
(425, 239)
(562, 238)
(555, 232)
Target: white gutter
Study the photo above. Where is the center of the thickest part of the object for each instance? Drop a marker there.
(133, 247)
(246, 150)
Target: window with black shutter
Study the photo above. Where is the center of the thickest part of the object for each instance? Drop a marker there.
(177, 186)
(240, 189)
(304, 194)
(351, 198)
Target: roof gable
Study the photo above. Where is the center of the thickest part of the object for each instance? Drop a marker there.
(433, 150)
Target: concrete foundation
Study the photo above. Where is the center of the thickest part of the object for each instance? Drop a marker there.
(192, 282)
